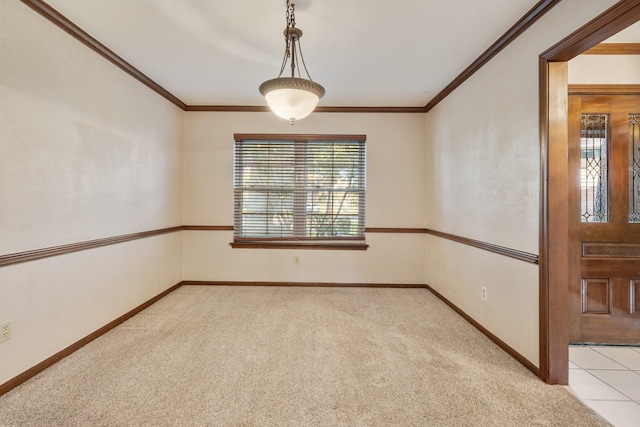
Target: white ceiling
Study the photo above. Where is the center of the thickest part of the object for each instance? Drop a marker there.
(364, 52)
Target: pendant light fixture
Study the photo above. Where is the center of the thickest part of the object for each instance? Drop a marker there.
(292, 98)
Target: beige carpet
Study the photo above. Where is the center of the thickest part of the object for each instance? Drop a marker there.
(287, 356)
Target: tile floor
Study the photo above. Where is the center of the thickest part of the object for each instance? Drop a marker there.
(607, 379)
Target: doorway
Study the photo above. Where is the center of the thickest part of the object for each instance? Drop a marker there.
(604, 218)
(555, 246)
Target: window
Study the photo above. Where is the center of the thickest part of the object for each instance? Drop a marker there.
(594, 180)
(293, 190)
(634, 168)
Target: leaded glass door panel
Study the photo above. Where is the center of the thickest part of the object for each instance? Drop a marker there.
(604, 218)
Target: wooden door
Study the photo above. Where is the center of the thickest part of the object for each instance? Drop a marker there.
(604, 219)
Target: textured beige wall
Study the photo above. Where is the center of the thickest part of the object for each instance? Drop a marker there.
(605, 69)
(86, 152)
(483, 179)
(395, 198)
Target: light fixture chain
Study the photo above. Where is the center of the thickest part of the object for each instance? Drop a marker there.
(294, 102)
(287, 38)
(291, 15)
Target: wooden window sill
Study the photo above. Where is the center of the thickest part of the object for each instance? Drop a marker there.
(300, 245)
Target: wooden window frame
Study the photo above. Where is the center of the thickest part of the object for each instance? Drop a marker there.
(298, 241)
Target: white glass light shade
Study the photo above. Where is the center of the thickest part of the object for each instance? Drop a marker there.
(292, 98)
(292, 104)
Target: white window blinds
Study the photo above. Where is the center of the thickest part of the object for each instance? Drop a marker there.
(299, 187)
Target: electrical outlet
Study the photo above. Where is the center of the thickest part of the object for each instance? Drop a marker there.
(483, 292)
(296, 260)
(5, 332)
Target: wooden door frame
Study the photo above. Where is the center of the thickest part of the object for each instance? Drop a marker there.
(554, 209)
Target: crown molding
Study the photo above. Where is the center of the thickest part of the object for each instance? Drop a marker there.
(65, 24)
(512, 33)
(75, 31)
(320, 109)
